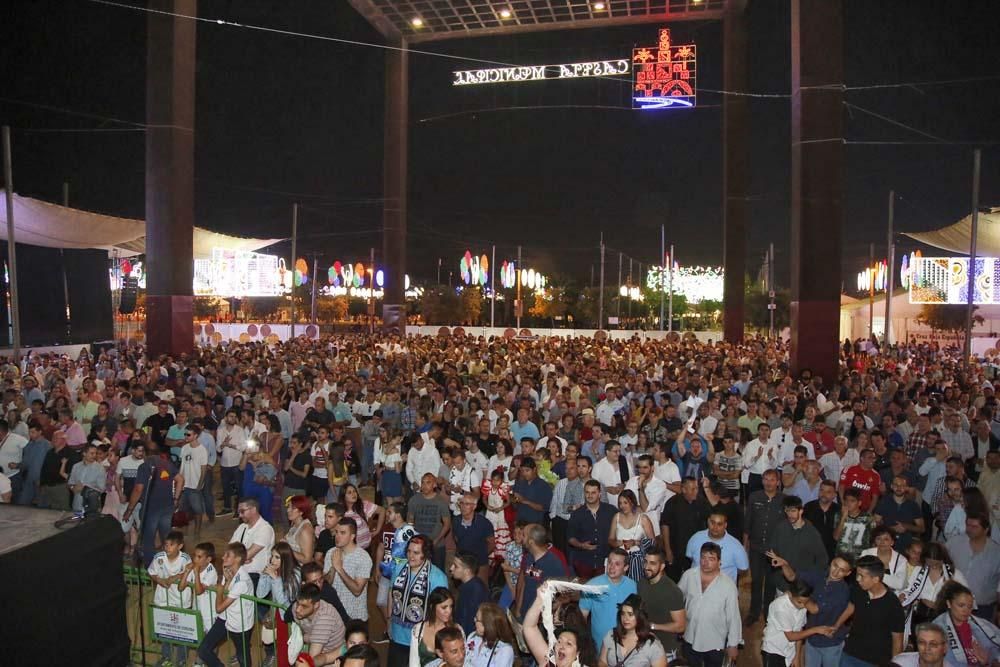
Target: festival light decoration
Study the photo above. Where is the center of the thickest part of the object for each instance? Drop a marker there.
(664, 76)
(301, 272)
(695, 283)
(945, 280)
(874, 277)
(474, 270)
(508, 275)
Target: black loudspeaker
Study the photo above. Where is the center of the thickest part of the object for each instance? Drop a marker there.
(130, 290)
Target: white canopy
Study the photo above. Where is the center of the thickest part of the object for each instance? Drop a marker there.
(41, 223)
(956, 237)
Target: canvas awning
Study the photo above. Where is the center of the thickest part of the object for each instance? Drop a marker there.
(955, 238)
(42, 223)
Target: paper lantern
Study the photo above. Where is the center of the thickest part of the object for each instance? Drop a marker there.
(531, 278)
(524, 276)
(406, 284)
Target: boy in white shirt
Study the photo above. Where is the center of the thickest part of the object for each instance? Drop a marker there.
(235, 616)
(781, 644)
(194, 469)
(168, 570)
(201, 576)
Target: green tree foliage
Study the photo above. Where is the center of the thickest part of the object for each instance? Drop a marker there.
(471, 300)
(441, 305)
(947, 317)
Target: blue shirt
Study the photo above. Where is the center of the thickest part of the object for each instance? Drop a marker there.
(603, 607)
(734, 556)
(471, 595)
(528, 430)
(832, 598)
(594, 449)
(537, 491)
(472, 538)
(801, 490)
(535, 572)
(32, 458)
(588, 527)
(436, 579)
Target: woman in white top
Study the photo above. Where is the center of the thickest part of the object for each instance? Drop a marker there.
(502, 459)
(895, 562)
(921, 595)
(492, 643)
(632, 531)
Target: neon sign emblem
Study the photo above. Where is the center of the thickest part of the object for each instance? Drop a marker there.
(664, 76)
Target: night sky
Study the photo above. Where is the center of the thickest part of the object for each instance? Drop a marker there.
(545, 164)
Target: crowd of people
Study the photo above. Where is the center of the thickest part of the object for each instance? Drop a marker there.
(462, 478)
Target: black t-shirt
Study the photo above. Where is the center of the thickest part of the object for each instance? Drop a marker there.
(158, 427)
(301, 460)
(53, 463)
(684, 520)
(874, 621)
(324, 542)
(487, 444)
(734, 518)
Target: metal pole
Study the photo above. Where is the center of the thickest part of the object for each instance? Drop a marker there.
(439, 270)
(518, 307)
(891, 260)
(62, 262)
(976, 159)
(295, 241)
(663, 255)
(371, 292)
(630, 290)
(871, 290)
(770, 287)
(600, 306)
(8, 179)
(493, 285)
(619, 290)
(314, 281)
(670, 286)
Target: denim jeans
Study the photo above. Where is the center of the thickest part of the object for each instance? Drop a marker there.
(231, 487)
(155, 520)
(215, 636)
(823, 656)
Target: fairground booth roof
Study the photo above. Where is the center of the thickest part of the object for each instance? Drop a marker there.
(431, 20)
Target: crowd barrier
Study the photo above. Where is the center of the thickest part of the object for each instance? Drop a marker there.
(162, 625)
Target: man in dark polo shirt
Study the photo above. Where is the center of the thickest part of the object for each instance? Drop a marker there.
(765, 512)
(824, 514)
(540, 564)
(899, 514)
(589, 527)
(664, 602)
(474, 534)
(683, 516)
(531, 496)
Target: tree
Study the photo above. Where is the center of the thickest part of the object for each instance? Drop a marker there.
(205, 307)
(555, 303)
(471, 305)
(440, 305)
(947, 317)
(262, 307)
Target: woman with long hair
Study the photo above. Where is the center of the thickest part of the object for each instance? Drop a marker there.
(364, 512)
(632, 531)
(920, 598)
(971, 640)
(439, 615)
(631, 643)
(492, 643)
(301, 537)
(280, 581)
(502, 459)
(573, 645)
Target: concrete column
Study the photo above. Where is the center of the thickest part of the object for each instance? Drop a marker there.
(396, 157)
(734, 170)
(170, 94)
(817, 184)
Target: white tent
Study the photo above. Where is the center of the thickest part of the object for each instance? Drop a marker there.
(956, 237)
(41, 223)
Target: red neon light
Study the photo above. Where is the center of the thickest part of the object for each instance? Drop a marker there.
(664, 76)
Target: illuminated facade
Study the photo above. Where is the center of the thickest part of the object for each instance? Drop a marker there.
(695, 283)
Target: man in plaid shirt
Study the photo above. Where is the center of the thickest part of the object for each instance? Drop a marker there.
(918, 439)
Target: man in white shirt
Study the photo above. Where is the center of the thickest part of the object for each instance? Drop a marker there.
(350, 566)
(759, 456)
(787, 452)
(462, 479)
(606, 409)
(708, 422)
(551, 433)
(649, 489)
(608, 471)
(194, 469)
(711, 601)
(840, 459)
(664, 468)
(781, 436)
(236, 615)
(230, 443)
(11, 449)
(255, 534)
(422, 458)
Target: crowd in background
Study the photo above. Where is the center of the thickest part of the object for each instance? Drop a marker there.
(457, 475)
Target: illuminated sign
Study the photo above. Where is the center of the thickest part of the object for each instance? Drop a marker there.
(237, 273)
(695, 283)
(475, 77)
(664, 76)
(946, 280)
(474, 270)
(874, 277)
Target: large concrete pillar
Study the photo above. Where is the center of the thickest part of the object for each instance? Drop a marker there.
(396, 156)
(734, 169)
(170, 82)
(817, 184)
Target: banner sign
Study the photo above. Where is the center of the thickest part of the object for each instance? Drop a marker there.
(174, 625)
